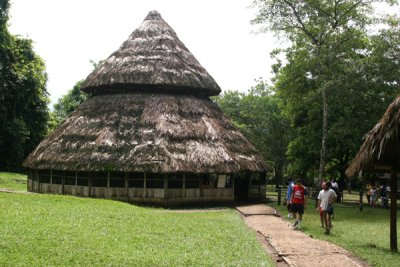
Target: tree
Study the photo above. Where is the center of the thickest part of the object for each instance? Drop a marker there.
(23, 96)
(324, 31)
(258, 116)
(67, 104)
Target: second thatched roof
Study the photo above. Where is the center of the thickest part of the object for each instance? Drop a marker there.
(152, 59)
(142, 132)
(380, 145)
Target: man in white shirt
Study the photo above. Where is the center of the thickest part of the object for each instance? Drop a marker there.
(326, 198)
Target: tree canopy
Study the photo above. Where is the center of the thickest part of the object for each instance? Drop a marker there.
(331, 85)
(23, 96)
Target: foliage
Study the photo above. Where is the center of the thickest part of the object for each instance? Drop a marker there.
(325, 31)
(384, 60)
(356, 104)
(67, 104)
(53, 230)
(366, 233)
(23, 96)
(332, 86)
(258, 115)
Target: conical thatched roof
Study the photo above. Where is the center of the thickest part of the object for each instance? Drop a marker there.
(152, 59)
(157, 119)
(143, 132)
(380, 144)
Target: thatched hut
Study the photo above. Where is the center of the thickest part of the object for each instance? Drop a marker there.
(380, 149)
(149, 132)
(380, 152)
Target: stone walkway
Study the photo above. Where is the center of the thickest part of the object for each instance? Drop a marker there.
(294, 248)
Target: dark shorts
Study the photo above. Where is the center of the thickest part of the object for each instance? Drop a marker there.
(329, 210)
(297, 208)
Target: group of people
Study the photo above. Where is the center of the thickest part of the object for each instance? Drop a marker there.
(296, 200)
(296, 203)
(373, 193)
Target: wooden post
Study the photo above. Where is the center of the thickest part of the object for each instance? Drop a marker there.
(90, 183)
(279, 194)
(393, 209)
(184, 186)
(316, 197)
(165, 188)
(51, 176)
(108, 185)
(265, 186)
(144, 185)
(127, 186)
(37, 181)
(233, 186)
(76, 179)
(62, 183)
(201, 189)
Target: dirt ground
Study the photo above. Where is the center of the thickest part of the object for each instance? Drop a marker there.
(293, 248)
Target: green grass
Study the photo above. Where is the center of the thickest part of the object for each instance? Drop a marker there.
(54, 230)
(13, 181)
(364, 233)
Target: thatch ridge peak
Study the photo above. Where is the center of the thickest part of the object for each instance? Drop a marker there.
(153, 15)
(153, 55)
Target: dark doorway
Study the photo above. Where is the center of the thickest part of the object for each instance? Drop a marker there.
(242, 187)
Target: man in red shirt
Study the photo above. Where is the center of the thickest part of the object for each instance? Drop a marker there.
(298, 201)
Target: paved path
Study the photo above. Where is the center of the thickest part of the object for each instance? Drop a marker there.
(294, 248)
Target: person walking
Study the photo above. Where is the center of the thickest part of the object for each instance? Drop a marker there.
(335, 187)
(298, 202)
(289, 197)
(326, 198)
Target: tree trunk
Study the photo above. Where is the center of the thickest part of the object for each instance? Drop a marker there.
(324, 133)
(278, 174)
(393, 209)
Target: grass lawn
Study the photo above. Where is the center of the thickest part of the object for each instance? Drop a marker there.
(54, 230)
(364, 233)
(13, 181)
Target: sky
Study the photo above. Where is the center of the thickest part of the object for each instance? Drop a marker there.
(68, 34)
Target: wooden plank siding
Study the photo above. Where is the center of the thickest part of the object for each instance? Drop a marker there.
(184, 188)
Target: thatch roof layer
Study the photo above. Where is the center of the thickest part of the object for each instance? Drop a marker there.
(380, 144)
(143, 132)
(152, 59)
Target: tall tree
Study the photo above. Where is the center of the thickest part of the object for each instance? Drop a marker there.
(23, 96)
(324, 30)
